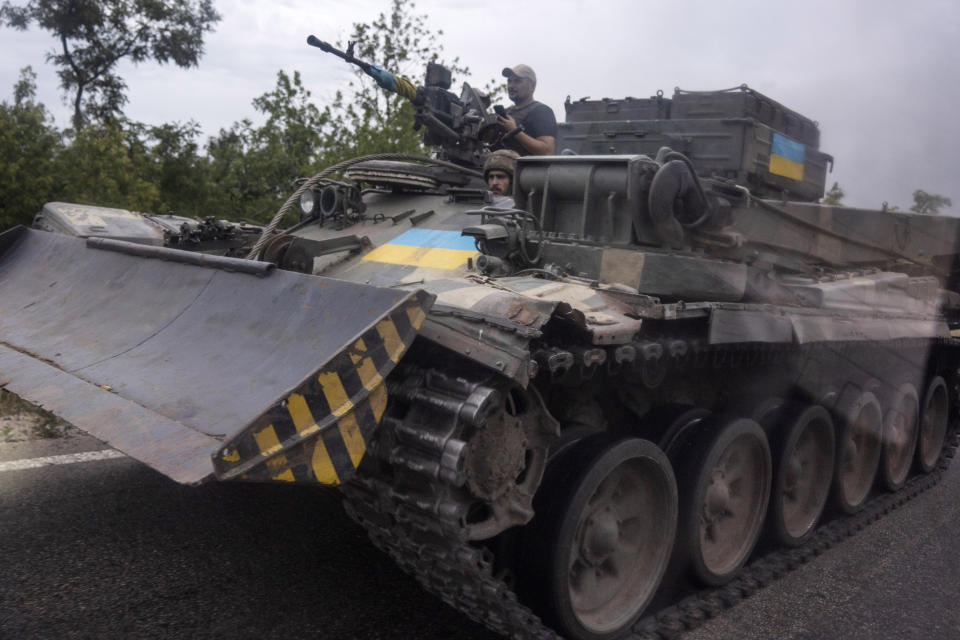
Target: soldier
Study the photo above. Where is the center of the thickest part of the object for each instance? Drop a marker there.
(531, 126)
(498, 172)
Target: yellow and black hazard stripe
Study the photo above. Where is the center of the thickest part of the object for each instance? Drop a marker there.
(319, 432)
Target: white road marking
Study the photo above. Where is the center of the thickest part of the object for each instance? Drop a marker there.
(69, 458)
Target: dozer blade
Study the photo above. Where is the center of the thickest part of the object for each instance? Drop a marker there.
(199, 365)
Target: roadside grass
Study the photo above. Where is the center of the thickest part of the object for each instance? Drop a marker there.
(12, 404)
(49, 426)
(20, 420)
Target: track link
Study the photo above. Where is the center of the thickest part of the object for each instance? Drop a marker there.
(404, 516)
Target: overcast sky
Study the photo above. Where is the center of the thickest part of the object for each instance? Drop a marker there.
(881, 77)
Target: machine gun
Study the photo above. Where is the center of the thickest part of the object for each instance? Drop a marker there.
(461, 126)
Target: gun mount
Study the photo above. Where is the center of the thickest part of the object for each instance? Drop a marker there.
(460, 125)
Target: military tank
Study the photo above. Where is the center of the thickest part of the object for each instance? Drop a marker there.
(564, 415)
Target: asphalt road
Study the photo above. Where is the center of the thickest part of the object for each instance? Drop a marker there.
(110, 549)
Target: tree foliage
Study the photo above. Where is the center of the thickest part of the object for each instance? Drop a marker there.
(29, 144)
(107, 164)
(179, 170)
(931, 203)
(95, 35)
(121, 164)
(834, 196)
(254, 166)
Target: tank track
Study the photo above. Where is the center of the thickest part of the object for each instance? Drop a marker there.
(431, 547)
(436, 552)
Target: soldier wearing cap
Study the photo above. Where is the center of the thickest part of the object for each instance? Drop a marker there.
(530, 125)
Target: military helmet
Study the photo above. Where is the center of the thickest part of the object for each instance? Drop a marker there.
(501, 160)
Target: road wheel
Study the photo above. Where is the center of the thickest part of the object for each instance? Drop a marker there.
(803, 453)
(724, 484)
(858, 449)
(933, 424)
(606, 537)
(680, 421)
(900, 429)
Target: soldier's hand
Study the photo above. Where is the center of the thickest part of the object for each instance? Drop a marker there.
(508, 123)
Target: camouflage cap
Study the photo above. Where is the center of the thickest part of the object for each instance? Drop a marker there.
(501, 160)
(520, 71)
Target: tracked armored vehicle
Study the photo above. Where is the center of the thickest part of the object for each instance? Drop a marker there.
(662, 355)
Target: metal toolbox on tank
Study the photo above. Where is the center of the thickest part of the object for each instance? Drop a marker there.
(744, 102)
(740, 149)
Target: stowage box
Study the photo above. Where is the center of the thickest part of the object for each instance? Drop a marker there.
(744, 102)
(737, 134)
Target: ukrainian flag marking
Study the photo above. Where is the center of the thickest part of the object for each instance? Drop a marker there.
(426, 248)
(787, 157)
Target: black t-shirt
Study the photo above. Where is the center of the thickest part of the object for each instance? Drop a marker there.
(538, 121)
(537, 118)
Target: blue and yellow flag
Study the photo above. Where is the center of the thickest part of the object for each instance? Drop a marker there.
(426, 248)
(787, 157)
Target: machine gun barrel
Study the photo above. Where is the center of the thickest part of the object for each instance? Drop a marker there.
(387, 80)
(450, 122)
(314, 41)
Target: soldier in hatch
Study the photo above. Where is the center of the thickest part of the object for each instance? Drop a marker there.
(531, 127)
(498, 172)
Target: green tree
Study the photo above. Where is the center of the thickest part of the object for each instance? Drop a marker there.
(180, 171)
(366, 119)
(108, 165)
(924, 202)
(252, 168)
(28, 144)
(834, 197)
(293, 121)
(95, 35)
